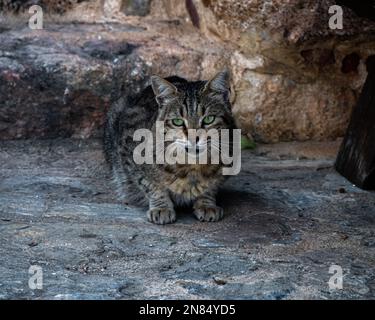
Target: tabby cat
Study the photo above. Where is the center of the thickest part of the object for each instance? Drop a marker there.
(180, 105)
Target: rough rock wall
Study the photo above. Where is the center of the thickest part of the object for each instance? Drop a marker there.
(294, 78)
(59, 82)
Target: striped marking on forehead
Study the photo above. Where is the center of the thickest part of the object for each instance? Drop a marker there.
(192, 103)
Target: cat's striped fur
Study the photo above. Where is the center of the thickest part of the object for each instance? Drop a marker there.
(164, 186)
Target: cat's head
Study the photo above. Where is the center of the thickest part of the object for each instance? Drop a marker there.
(200, 105)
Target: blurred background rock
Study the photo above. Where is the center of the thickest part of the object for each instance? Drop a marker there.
(294, 78)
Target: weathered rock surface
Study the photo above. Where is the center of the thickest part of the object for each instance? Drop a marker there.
(287, 221)
(294, 78)
(59, 82)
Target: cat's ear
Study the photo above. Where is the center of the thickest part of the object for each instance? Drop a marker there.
(219, 84)
(163, 89)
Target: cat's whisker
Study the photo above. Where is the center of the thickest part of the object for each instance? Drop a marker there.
(216, 147)
(224, 143)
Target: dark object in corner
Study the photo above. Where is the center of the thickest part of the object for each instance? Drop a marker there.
(362, 8)
(356, 158)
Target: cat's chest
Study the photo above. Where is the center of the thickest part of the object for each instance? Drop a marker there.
(192, 185)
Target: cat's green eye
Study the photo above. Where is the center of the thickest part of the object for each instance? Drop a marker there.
(208, 119)
(178, 122)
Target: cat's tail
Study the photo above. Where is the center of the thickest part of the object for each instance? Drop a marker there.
(126, 190)
(112, 130)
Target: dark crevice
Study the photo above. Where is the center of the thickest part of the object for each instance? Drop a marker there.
(350, 63)
(193, 13)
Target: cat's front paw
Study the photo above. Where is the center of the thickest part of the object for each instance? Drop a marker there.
(161, 215)
(209, 214)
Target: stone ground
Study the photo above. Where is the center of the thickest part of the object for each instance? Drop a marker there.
(289, 217)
